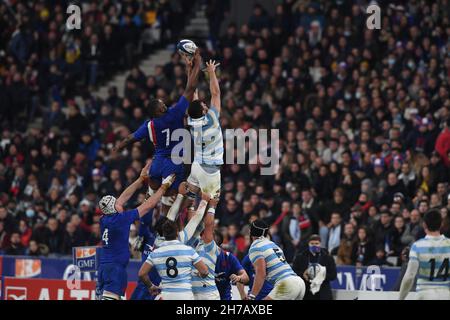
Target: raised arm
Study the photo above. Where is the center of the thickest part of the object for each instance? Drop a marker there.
(214, 87)
(132, 188)
(193, 74)
(151, 202)
(208, 233)
(193, 223)
(130, 139)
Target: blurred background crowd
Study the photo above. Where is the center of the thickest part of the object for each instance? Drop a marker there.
(363, 117)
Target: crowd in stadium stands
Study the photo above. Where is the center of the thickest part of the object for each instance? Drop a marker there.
(42, 61)
(363, 117)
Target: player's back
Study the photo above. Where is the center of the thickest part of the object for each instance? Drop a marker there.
(115, 230)
(433, 255)
(208, 140)
(174, 262)
(277, 267)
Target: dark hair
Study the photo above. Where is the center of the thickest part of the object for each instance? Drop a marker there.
(159, 225)
(195, 109)
(169, 230)
(218, 237)
(259, 228)
(314, 237)
(433, 220)
(153, 107)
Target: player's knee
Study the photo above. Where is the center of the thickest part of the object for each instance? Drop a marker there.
(182, 189)
(191, 191)
(149, 193)
(153, 184)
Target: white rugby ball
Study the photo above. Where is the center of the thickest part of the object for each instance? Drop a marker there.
(186, 47)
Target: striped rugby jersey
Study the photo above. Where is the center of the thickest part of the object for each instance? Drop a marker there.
(174, 262)
(277, 267)
(208, 253)
(433, 255)
(208, 139)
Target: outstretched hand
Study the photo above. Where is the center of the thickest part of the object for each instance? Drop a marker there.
(144, 171)
(211, 66)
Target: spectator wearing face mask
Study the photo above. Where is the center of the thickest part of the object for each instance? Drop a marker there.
(313, 256)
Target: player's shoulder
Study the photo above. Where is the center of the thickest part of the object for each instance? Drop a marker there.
(445, 242)
(183, 246)
(145, 123)
(214, 111)
(258, 243)
(130, 212)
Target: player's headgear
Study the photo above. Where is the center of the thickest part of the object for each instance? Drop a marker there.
(259, 229)
(433, 220)
(108, 204)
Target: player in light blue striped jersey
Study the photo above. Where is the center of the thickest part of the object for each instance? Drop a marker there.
(175, 263)
(206, 247)
(269, 263)
(429, 261)
(207, 136)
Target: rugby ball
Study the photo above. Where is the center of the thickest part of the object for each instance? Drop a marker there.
(186, 47)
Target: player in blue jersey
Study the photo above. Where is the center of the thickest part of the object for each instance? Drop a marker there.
(228, 270)
(115, 225)
(269, 263)
(429, 261)
(158, 130)
(175, 263)
(248, 267)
